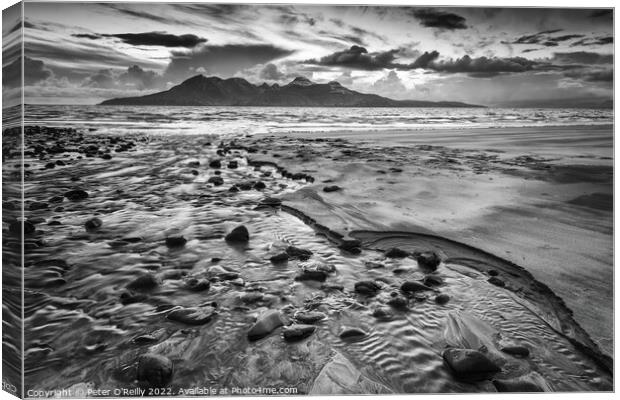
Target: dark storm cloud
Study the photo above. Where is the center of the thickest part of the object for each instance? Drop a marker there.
(433, 18)
(133, 77)
(91, 36)
(595, 41)
(271, 72)
(582, 57)
(357, 57)
(158, 39)
(223, 60)
(483, 66)
(602, 13)
(425, 60)
(34, 71)
(606, 75)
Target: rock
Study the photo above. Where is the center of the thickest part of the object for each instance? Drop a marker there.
(367, 288)
(238, 235)
(37, 205)
(36, 220)
(467, 364)
(233, 164)
(221, 273)
(309, 317)
(128, 297)
(373, 265)
(197, 285)
(442, 299)
(93, 224)
(15, 228)
(266, 324)
(271, 202)
(50, 165)
(54, 223)
(333, 188)
(260, 185)
(520, 351)
(252, 297)
(154, 370)
(496, 281)
(233, 189)
(192, 316)
(76, 195)
(383, 314)
(310, 275)
(144, 282)
(395, 252)
(493, 272)
(352, 334)
(432, 280)
(279, 258)
(517, 385)
(351, 245)
(297, 332)
(428, 259)
(215, 164)
(56, 199)
(412, 287)
(398, 302)
(298, 253)
(216, 180)
(175, 241)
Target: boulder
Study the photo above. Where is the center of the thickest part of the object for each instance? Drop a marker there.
(383, 313)
(496, 281)
(367, 288)
(279, 258)
(144, 282)
(266, 324)
(197, 285)
(396, 253)
(332, 188)
(216, 180)
(515, 350)
(309, 317)
(398, 302)
(192, 316)
(238, 235)
(412, 287)
(517, 385)
(432, 280)
(175, 241)
(297, 332)
(442, 299)
(467, 364)
(76, 195)
(233, 164)
(428, 259)
(93, 224)
(298, 253)
(215, 164)
(351, 245)
(154, 371)
(352, 333)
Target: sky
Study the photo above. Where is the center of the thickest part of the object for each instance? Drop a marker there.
(83, 53)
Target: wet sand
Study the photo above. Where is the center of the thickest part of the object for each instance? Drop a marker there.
(130, 269)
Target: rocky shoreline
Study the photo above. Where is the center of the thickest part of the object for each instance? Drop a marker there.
(184, 261)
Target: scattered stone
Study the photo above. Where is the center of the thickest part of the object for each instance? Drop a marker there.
(383, 314)
(520, 351)
(298, 253)
(309, 317)
(54, 223)
(56, 199)
(192, 316)
(93, 224)
(154, 370)
(260, 185)
(271, 202)
(216, 180)
(373, 265)
(233, 189)
(469, 364)
(352, 333)
(128, 297)
(332, 188)
(296, 332)
(496, 281)
(15, 228)
(279, 258)
(398, 302)
(412, 287)
(215, 164)
(238, 235)
(233, 164)
(442, 299)
(432, 280)
(37, 205)
(493, 272)
(428, 259)
(266, 324)
(175, 241)
(367, 288)
(396, 253)
(144, 282)
(353, 246)
(76, 195)
(197, 285)
(310, 275)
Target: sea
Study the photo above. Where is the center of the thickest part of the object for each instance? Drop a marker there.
(159, 120)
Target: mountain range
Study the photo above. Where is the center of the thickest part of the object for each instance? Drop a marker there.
(301, 92)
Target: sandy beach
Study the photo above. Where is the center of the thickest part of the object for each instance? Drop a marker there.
(367, 263)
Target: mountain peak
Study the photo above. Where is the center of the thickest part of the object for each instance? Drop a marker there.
(301, 81)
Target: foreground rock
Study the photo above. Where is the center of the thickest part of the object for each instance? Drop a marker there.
(309, 317)
(367, 288)
(298, 253)
(144, 282)
(238, 235)
(352, 334)
(467, 364)
(396, 253)
(428, 259)
(266, 324)
(154, 371)
(519, 351)
(175, 241)
(192, 316)
(412, 287)
(296, 332)
(76, 195)
(496, 281)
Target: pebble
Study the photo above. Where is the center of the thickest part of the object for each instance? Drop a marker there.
(516, 385)
(192, 316)
(154, 370)
(496, 281)
(332, 188)
(398, 302)
(216, 180)
(93, 224)
(296, 332)
(411, 287)
(175, 241)
(367, 288)
(520, 351)
(144, 282)
(197, 285)
(215, 164)
(469, 364)
(396, 253)
(279, 258)
(76, 195)
(309, 317)
(266, 324)
(428, 259)
(383, 314)
(298, 253)
(352, 333)
(238, 235)
(442, 299)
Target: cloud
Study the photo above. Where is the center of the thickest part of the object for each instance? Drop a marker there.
(595, 41)
(223, 60)
(133, 77)
(433, 18)
(604, 75)
(358, 57)
(602, 13)
(34, 71)
(582, 57)
(544, 38)
(483, 66)
(149, 39)
(270, 72)
(391, 86)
